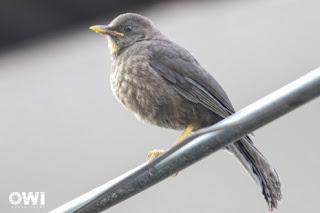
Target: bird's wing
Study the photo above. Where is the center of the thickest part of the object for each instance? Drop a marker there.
(188, 78)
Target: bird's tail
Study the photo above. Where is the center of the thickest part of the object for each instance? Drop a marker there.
(260, 169)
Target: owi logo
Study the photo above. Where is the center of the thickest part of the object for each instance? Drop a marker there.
(27, 199)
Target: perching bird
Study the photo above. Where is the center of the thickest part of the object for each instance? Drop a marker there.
(164, 85)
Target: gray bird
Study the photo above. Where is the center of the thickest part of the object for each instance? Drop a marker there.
(164, 85)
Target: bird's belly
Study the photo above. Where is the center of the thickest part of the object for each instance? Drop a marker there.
(150, 99)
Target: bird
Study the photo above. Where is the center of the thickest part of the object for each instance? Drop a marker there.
(163, 84)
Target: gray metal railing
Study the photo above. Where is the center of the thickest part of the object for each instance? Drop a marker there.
(199, 145)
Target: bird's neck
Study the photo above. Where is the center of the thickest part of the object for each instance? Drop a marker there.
(113, 47)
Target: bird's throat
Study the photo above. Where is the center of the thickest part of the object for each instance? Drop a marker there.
(113, 47)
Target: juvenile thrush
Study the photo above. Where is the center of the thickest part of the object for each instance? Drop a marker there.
(164, 85)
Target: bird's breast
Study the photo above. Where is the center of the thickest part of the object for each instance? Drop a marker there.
(146, 94)
(134, 85)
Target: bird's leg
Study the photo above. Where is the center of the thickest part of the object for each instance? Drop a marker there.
(155, 153)
(184, 134)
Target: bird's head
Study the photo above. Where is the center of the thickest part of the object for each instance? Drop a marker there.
(125, 30)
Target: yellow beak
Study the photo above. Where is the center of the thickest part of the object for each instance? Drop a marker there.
(105, 30)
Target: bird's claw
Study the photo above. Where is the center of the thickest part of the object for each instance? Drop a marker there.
(153, 154)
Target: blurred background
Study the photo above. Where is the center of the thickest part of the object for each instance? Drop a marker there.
(63, 133)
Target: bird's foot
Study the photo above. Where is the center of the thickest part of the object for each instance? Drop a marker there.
(153, 154)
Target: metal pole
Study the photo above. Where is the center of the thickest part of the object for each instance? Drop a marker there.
(199, 145)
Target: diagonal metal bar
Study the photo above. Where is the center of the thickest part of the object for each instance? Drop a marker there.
(199, 145)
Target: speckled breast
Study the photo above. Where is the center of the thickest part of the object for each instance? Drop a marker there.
(143, 92)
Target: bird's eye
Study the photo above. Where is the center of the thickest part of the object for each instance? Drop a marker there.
(128, 28)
